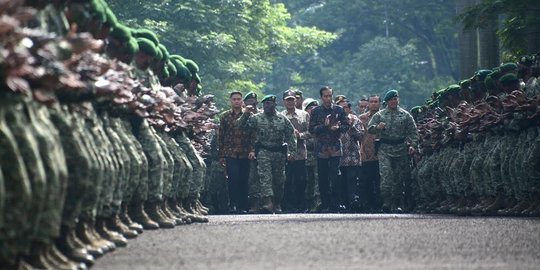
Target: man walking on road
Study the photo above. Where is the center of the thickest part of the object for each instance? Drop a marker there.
(398, 139)
(275, 143)
(328, 122)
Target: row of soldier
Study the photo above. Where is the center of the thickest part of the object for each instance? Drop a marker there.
(102, 134)
(480, 144)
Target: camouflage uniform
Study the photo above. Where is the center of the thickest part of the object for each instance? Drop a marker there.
(29, 151)
(17, 188)
(393, 158)
(272, 131)
(197, 163)
(156, 160)
(137, 189)
(52, 156)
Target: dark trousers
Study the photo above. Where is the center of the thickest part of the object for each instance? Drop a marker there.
(370, 185)
(238, 175)
(328, 181)
(350, 176)
(295, 185)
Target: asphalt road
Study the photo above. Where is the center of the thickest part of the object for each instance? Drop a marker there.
(336, 241)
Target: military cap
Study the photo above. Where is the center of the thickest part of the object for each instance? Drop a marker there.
(191, 65)
(416, 109)
(490, 83)
(298, 93)
(181, 71)
(309, 102)
(164, 52)
(159, 54)
(172, 68)
(196, 77)
(165, 72)
(97, 11)
(482, 74)
(110, 19)
(508, 79)
(340, 98)
(465, 83)
(250, 95)
(145, 33)
(507, 67)
(364, 98)
(179, 58)
(132, 47)
(147, 47)
(495, 74)
(289, 94)
(121, 32)
(453, 89)
(269, 98)
(390, 94)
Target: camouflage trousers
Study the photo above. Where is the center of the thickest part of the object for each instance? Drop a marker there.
(169, 169)
(17, 120)
(253, 180)
(137, 187)
(271, 171)
(196, 182)
(17, 190)
(122, 159)
(54, 162)
(156, 160)
(394, 171)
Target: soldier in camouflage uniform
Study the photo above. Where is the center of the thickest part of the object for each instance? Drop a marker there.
(396, 126)
(275, 142)
(312, 187)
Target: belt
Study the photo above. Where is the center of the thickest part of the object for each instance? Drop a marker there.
(392, 142)
(270, 148)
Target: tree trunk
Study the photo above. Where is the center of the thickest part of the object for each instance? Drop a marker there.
(488, 45)
(532, 31)
(467, 44)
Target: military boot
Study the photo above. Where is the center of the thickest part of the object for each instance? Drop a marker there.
(201, 208)
(90, 243)
(531, 208)
(21, 265)
(277, 205)
(112, 236)
(170, 213)
(89, 236)
(116, 224)
(267, 206)
(61, 261)
(183, 212)
(126, 219)
(253, 205)
(37, 257)
(192, 213)
(140, 216)
(153, 212)
(497, 204)
(72, 249)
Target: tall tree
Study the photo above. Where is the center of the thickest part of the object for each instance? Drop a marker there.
(520, 31)
(235, 42)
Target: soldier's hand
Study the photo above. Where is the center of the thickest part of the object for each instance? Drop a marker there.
(252, 155)
(412, 151)
(381, 125)
(222, 161)
(290, 157)
(297, 134)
